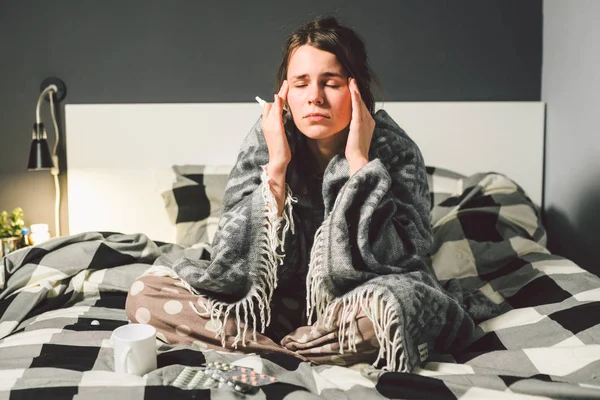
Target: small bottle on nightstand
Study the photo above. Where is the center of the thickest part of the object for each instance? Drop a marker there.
(26, 239)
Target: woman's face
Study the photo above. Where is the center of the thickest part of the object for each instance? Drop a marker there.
(318, 96)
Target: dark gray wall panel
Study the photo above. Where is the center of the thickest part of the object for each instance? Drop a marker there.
(198, 51)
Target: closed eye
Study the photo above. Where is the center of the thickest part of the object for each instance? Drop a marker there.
(332, 83)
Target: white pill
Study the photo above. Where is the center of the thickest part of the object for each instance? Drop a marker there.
(95, 322)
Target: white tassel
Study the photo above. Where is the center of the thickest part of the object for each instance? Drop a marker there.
(387, 329)
(161, 270)
(262, 292)
(287, 215)
(345, 310)
(317, 299)
(321, 304)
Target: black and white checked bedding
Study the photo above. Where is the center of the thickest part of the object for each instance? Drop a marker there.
(60, 301)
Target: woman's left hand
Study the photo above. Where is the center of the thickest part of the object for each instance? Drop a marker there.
(362, 126)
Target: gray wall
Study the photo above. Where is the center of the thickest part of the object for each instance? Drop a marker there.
(571, 88)
(198, 51)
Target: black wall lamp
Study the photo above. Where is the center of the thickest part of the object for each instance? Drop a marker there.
(54, 91)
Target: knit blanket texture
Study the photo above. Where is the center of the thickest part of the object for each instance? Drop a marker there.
(371, 253)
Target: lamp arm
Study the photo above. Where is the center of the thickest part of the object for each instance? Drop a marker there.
(53, 112)
(53, 87)
(57, 205)
(49, 88)
(54, 171)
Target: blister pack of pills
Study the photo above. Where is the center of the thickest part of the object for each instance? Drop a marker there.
(242, 379)
(216, 374)
(195, 378)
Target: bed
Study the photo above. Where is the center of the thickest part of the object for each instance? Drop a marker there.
(134, 170)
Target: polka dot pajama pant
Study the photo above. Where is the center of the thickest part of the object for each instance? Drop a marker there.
(166, 304)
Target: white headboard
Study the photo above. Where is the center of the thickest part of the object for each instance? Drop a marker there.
(120, 155)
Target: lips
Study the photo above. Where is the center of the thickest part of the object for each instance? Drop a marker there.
(315, 117)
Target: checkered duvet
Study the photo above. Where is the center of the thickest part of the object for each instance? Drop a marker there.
(60, 301)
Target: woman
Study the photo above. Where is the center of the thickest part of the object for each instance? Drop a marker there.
(323, 242)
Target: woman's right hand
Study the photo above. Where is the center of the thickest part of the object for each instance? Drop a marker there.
(272, 125)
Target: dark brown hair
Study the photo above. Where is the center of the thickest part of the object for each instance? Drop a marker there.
(325, 33)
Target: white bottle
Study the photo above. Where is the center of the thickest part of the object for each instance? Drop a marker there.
(39, 233)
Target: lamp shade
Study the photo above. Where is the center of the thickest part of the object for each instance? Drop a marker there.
(39, 154)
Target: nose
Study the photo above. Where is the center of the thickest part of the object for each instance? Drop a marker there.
(315, 95)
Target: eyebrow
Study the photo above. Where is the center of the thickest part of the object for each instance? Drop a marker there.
(324, 74)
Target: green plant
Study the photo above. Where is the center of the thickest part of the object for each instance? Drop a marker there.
(11, 224)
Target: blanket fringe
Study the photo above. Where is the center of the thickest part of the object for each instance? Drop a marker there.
(372, 301)
(262, 291)
(316, 298)
(380, 312)
(388, 332)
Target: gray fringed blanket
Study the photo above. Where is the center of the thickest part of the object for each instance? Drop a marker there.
(370, 253)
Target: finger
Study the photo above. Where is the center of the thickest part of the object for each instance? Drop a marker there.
(277, 104)
(362, 106)
(283, 91)
(355, 96)
(357, 91)
(265, 110)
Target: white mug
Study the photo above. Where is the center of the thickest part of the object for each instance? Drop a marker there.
(134, 349)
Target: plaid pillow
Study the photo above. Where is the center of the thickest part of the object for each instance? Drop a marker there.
(443, 184)
(194, 202)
